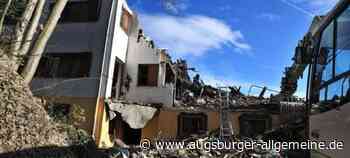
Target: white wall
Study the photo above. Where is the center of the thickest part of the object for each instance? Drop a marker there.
(119, 46)
(140, 53)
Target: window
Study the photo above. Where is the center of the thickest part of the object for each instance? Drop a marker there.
(80, 11)
(334, 56)
(334, 91)
(252, 125)
(189, 124)
(326, 52)
(335, 61)
(333, 95)
(322, 94)
(125, 21)
(64, 65)
(148, 74)
(342, 60)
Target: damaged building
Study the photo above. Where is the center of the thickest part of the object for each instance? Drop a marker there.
(150, 77)
(84, 61)
(126, 88)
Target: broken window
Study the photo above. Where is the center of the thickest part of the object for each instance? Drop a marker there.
(125, 21)
(64, 65)
(80, 11)
(189, 123)
(148, 75)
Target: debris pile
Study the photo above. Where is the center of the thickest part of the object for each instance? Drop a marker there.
(195, 93)
(26, 128)
(209, 97)
(201, 151)
(24, 122)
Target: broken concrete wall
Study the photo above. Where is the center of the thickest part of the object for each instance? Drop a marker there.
(135, 115)
(141, 50)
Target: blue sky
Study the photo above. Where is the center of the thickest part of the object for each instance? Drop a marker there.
(240, 42)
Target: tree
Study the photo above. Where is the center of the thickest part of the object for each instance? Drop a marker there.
(5, 10)
(39, 47)
(24, 48)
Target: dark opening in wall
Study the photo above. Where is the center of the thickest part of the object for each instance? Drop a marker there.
(148, 75)
(252, 125)
(116, 128)
(80, 11)
(64, 65)
(169, 75)
(115, 79)
(190, 123)
(131, 136)
(119, 129)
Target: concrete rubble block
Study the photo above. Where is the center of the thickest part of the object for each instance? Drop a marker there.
(135, 115)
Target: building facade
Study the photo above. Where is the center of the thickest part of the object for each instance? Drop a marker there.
(84, 60)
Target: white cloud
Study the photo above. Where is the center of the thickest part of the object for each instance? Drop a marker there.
(174, 7)
(269, 16)
(192, 35)
(222, 81)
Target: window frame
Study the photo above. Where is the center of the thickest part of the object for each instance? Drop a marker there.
(182, 118)
(87, 55)
(335, 77)
(317, 88)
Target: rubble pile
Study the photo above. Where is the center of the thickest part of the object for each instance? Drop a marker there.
(209, 97)
(205, 153)
(25, 125)
(195, 93)
(23, 120)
